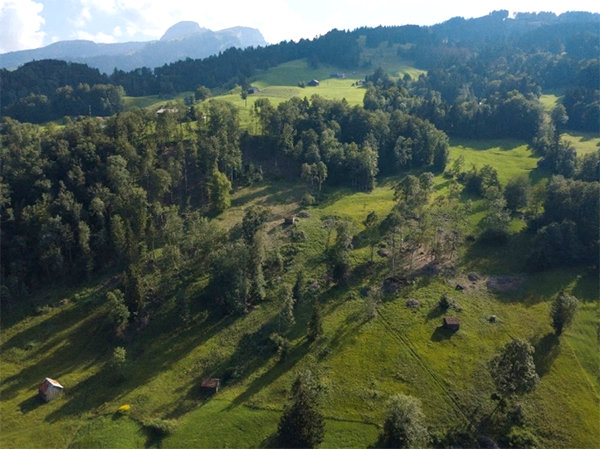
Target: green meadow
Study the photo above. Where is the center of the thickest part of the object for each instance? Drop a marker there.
(361, 361)
(152, 102)
(584, 143)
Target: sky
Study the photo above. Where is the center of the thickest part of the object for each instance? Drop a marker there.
(26, 24)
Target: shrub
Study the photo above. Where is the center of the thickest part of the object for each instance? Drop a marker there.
(282, 345)
(521, 438)
(298, 236)
(308, 199)
(160, 427)
(43, 310)
(445, 302)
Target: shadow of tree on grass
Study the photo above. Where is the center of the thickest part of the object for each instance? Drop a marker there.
(546, 350)
(441, 333)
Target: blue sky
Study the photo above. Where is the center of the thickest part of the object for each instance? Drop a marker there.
(34, 23)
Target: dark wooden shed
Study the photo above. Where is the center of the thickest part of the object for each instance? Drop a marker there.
(290, 219)
(210, 386)
(451, 323)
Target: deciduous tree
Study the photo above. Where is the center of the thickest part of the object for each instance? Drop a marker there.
(564, 308)
(404, 426)
(513, 369)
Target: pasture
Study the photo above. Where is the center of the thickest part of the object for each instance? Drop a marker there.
(360, 360)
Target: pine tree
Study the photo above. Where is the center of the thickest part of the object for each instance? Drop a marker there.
(315, 325)
(118, 312)
(301, 425)
(299, 287)
(286, 312)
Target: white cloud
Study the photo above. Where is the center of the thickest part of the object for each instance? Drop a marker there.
(20, 25)
(83, 18)
(282, 19)
(150, 19)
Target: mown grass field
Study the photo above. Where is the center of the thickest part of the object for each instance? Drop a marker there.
(584, 143)
(550, 100)
(152, 101)
(386, 57)
(361, 362)
(281, 83)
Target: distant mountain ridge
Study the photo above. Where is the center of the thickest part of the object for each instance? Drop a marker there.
(183, 40)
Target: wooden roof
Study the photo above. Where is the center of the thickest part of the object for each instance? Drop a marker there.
(210, 383)
(451, 320)
(49, 383)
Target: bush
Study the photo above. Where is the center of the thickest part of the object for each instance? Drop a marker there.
(308, 200)
(282, 345)
(521, 438)
(298, 236)
(445, 302)
(160, 427)
(119, 357)
(43, 310)
(233, 374)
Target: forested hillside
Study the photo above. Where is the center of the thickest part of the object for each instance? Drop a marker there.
(542, 51)
(419, 269)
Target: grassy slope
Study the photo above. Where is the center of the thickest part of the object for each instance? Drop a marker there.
(583, 142)
(151, 101)
(280, 83)
(361, 363)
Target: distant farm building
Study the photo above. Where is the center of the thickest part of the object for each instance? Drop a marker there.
(313, 83)
(50, 389)
(167, 110)
(290, 220)
(210, 386)
(340, 75)
(451, 323)
(253, 90)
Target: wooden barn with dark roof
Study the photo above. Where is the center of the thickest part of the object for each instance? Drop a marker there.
(451, 323)
(210, 386)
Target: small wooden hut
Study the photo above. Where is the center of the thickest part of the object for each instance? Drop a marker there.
(290, 220)
(451, 323)
(210, 386)
(50, 389)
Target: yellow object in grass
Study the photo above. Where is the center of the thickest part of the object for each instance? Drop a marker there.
(124, 409)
